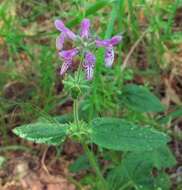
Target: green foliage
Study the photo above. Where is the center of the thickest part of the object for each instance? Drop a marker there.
(81, 163)
(119, 134)
(46, 69)
(161, 157)
(90, 11)
(141, 99)
(42, 132)
(2, 161)
(76, 85)
(171, 116)
(63, 119)
(135, 170)
(162, 181)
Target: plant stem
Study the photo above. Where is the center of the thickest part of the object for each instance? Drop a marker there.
(90, 155)
(75, 111)
(95, 166)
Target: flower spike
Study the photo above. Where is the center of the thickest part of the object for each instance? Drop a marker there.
(85, 43)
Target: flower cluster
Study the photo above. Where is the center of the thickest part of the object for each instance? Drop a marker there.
(86, 46)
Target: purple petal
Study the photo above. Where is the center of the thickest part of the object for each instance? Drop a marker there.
(59, 25)
(62, 28)
(115, 40)
(65, 67)
(109, 56)
(89, 73)
(68, 54)
(89, 64)
(60, 41)
(109, 42)
(90, 59)
(85, 28)
(67, 57)
(102, 43)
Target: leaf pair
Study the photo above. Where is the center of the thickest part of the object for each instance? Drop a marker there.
(110, 133)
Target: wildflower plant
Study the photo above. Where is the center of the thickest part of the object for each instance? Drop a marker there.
(139, 145)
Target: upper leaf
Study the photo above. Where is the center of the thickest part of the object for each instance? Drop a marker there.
(119, 134)
(41, 132)
(141, 99)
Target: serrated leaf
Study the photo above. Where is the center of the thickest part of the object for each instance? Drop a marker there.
(137, 167)
(131, 172)
(119, 134)
(141, 99)
(161, 157)
(48, 133)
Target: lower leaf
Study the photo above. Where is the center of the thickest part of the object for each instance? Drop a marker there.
(48, 133)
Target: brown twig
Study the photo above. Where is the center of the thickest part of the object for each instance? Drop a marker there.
(43, 161)
(125, 62)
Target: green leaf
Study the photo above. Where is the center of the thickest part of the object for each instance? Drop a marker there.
(111, 21)
(141, 99)
(132, 172)
(119, 134)
(81, 163)
(161, 157)
(171, 116)
(162, 181)
(63, 119)
(90, 11)
(136, 170)
(48, 133)
(2, 161)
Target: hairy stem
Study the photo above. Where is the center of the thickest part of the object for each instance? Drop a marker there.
(95, 166)
(89, 153)
(75, 111)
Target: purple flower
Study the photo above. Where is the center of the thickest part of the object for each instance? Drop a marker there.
(85, 28)
(62, 28)
(85, 45)
(67, 57)
(65, 34)
(89, 64)
(109, 44)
